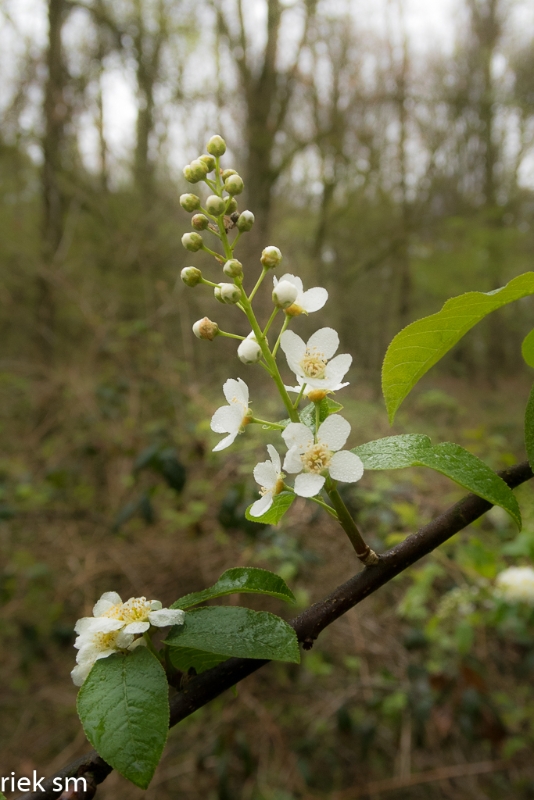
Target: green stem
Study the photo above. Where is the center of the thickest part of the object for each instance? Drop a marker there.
(207, 214)
(211, 252)
(231, 335)
(299, 398)
(317, 418)
(208, 283)
(363, 551)
(237, 238)
(326, 507)
(273, 425)
(284, 326)
(258, 284)
(271, 320)
(211, 184)
(218, 182)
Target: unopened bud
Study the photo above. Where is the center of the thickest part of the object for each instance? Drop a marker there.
(216, 146)
(199, 169)
(229, 293)
(284, 294)
(316, 395)
(233, 268)
(226, 173)
(215, 205)
(189, 202)
(271, 257)
(209, 161)
(205, 329)
(192, 242)
(232, 205)
(234, 184)
(249, 351)
(191, 276)
(245, 221)
(200, 222)
(190, 174)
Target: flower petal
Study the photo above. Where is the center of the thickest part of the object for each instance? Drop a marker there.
(98, 625)
(124, 640)
(313, 299)
(293, 461)
(236, 392)
(294, 349)
(155, 605)
(308, 484)
(107, 600)
(137, 627)
(265, 474)
(226, 442)
(166, 616)
(336, 369)
(227, 419)
(346, 466)
(296, 281)
(326, 340)
(262, 505)
(275, 458)
(80, 673)
(334, 432)
(297, 435)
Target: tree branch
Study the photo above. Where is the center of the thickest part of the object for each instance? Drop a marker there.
(308, 625)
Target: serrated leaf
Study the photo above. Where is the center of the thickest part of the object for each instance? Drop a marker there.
(281, 503)
(396, 452)
(233, 631)
(423, 343)
(124, 709)
(529, 428)
(185, 658)
(246, 580)
(527, 349)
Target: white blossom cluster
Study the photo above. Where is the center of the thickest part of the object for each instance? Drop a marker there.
(516, 585)
(117, 627)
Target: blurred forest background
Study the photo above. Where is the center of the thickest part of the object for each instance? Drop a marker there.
(393, 174)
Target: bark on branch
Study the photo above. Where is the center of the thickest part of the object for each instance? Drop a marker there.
(308, 625)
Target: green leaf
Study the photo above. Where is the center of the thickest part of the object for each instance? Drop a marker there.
(2, 796)
(529, 428)
(124, 709)
(233, 631)
(281, 503)
(527, 349)
(421, 345)
(249, 580)
(395, 452)
(327, 406)
(183, 658)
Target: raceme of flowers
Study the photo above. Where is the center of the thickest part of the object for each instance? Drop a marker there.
(117, 627)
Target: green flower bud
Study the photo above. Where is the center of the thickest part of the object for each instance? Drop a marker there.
(189, 202)
(192, 242)
(205, 329)
(216, 146)
(190, 175)
(209, 161)
(234, 184)
(199, 169)
(249, 351)
(284, 294)
(232, 206)
(191, 276)
(217, 294)
(215, 205)
(230, 293)
(227, 172)
(245, 221)
(233, 268)
(271, 257)
(200, 222)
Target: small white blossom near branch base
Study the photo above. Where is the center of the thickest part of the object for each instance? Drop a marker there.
(516, 585)
(316, 457)
(312, 363)
(304, 302)
(270, 477)
(233, 418)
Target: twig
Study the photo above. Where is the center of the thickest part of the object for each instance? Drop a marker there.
(308, 625)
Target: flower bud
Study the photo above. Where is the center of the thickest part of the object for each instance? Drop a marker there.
(200, 222)
(191, 276)
(229, 293)
(189, 202)
(217, 294)
(216, 146)
(234, 184)
(271, 257)
(215, 205)
(192, 242)
(232, 205)
(190, 175)
(199, 169)
(205, 329)
(284, 294)
(249, 351)
(226, 173)
(209, 161)
(245, 221)
(316, 395)
(233, 268)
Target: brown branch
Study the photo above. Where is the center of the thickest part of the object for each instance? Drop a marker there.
(308, 625)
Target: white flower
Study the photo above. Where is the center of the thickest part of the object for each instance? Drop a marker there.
(516, 585)
(231, 418)
(314, 458)
(312, 363)
(270, 477)
(94, 645)
(305, 302)
(284, 293)
(249, 351)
